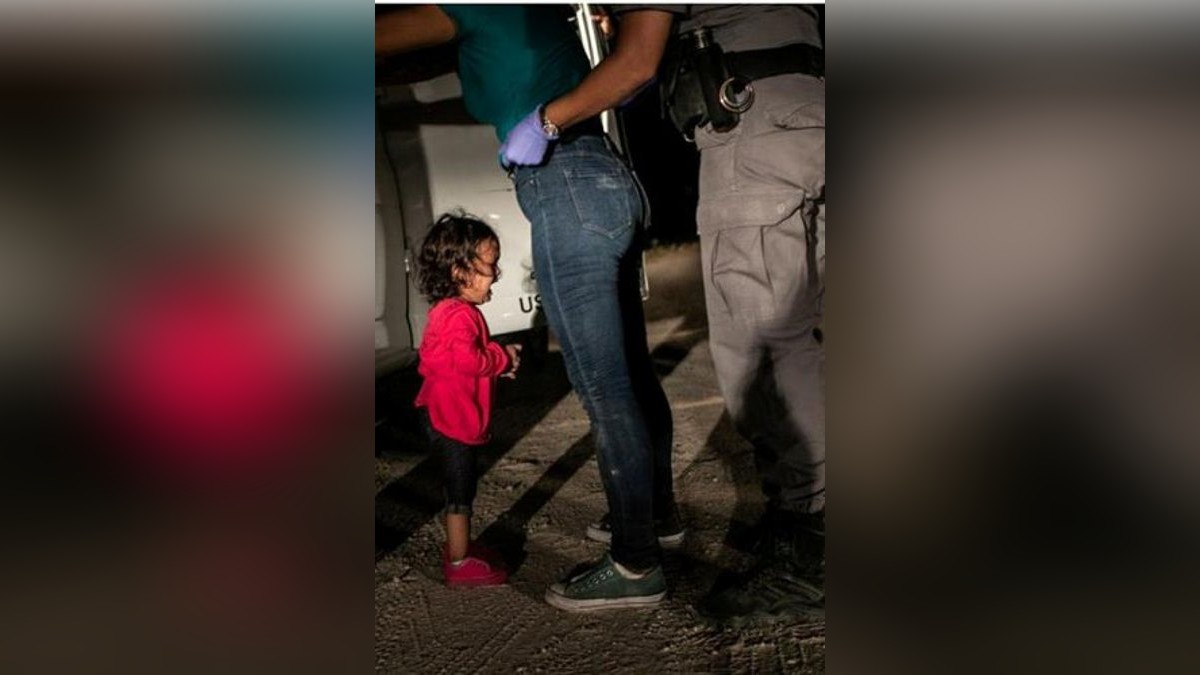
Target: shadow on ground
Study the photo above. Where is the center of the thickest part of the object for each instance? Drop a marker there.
(413, 500)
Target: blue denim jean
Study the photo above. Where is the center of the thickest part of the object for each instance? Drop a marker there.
(586, 211)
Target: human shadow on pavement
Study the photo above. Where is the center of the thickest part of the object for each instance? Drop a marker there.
(413, 500)
(507, 534)
(765, 423)
(690, 571)
(410, 502)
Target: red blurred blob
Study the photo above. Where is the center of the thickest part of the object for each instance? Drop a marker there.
(210, 367)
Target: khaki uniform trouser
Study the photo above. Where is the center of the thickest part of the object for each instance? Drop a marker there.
(761, 217)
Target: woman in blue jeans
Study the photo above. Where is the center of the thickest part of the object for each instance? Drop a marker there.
(586, 211)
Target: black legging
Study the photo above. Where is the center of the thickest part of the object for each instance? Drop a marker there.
(458, 468)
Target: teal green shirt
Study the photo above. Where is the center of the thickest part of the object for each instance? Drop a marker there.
(513, 58)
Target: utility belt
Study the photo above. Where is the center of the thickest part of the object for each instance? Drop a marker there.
(703, 85)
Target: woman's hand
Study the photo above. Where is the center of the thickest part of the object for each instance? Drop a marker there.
(526, 143)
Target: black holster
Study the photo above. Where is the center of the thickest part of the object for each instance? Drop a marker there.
(694, 68)
(701, 84)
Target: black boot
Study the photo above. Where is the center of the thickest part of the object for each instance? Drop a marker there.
(787, 582)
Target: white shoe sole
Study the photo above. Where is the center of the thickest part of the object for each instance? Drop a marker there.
(556, 599)
(605, 537)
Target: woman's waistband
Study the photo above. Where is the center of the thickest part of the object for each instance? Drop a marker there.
(588, 127)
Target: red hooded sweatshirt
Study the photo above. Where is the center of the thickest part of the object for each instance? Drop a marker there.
(459, 363)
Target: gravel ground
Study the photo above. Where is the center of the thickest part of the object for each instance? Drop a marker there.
(540, 491)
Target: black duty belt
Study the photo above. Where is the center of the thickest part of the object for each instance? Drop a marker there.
(758, 64)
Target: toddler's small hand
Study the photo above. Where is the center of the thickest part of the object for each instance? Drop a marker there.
(514, 359)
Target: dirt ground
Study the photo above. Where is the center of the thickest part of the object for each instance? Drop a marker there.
(541, 489)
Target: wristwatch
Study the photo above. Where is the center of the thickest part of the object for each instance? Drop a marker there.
(550, 129)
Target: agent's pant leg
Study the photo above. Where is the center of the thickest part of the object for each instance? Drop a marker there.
(770, 369)
(761, 218)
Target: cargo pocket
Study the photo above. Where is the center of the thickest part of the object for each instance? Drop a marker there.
(800, 107)
(762, 272)
(739, 273)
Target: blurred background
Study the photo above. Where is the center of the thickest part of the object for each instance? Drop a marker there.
(184, 337)
(1012, 334)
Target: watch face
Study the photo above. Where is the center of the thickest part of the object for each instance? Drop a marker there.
(550, 129)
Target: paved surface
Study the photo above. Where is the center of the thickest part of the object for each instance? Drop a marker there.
(541, 489)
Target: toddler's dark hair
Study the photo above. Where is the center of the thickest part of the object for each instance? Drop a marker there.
(450, 245)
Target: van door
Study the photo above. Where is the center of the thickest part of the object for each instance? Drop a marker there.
(394, 345)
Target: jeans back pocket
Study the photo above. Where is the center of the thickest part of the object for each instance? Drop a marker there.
(604, 197)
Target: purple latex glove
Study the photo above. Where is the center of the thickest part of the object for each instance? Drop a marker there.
(526, 143)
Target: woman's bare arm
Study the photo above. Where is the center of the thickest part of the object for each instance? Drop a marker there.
(412, 28)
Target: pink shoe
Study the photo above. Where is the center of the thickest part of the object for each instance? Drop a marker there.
(472, 571)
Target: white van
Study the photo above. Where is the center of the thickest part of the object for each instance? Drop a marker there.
(430, 158)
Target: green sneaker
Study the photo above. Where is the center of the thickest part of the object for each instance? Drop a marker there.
(602, 586)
